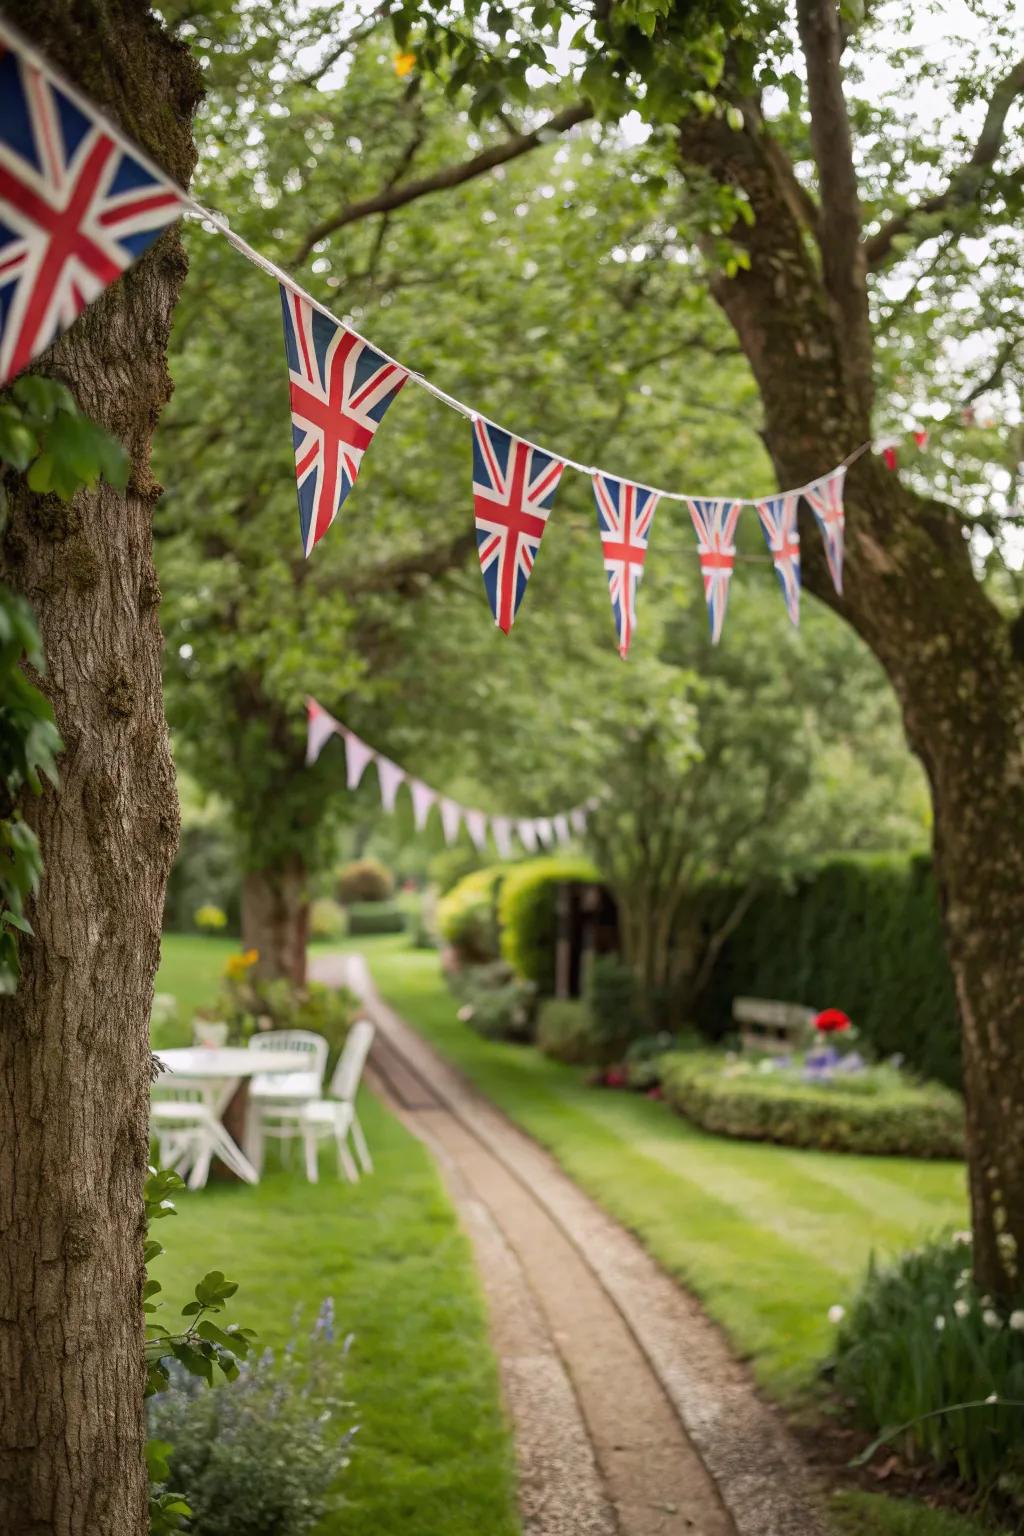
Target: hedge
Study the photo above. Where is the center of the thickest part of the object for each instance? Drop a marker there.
(466, 916)
(858, 932)
(902, 1120)
(529, 921)
(376, 917)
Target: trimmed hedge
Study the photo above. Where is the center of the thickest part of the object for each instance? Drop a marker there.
(467, 916)
(858, 932)
(900, 1120)
(529, 921)
(376, 917)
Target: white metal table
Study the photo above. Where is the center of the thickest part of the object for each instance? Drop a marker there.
(221, 1075)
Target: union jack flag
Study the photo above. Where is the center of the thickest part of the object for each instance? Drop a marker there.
(778, 520)
(624, 516)
(825, 499)
(340, 389)
(513, 488)
(77, 208)
(715, 526)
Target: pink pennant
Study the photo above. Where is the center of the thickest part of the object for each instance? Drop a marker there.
(391, 778)
(501, 831)
(921, 438)
(527, 832)
(560, 826)
(422, 799)
(320, 728)
(357, 755)
(578, 820)
(545, 832)
(451, 819)
(476, 826)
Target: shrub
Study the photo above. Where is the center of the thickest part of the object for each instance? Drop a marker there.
(857, 932)
(495, 1002)
(467, 917)
(881, 1113)
(451, 865)
(563, 1031)
(248, 1005)
(364, 880)
(209, 918)
(918, 1339)
(326, 919)
(262, 1456)
(645, 1056)
(376, 917)
(613, 1002)
(526, 908)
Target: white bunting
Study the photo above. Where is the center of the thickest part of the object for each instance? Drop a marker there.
(321, 727)
(357, 755)
(578, 820)
(560, 825)
(391, 777)
(527, 835)
(501, 831)
(545, 832)
(423, 797)
(451, 817)
(476, 826)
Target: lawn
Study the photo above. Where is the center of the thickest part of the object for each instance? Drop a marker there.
(432, 1452)
(768, 1237)
(191, 968)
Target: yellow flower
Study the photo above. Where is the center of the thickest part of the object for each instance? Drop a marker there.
(238, 965)
(405, 63)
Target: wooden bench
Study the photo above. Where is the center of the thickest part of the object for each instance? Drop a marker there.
(775, 1028)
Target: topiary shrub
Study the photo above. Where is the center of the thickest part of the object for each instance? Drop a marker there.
(529, 922)
(376, 917)
(495, 1002)
(364, 880)
(563, 1031)
(919, 1339)
(879, 1113)
(467, 918)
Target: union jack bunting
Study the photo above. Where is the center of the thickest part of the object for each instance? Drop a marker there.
(624, 516)
(825, 499)
(513, 487)
(778, 520)
(340, 389)
(715, 525)
(77, 208)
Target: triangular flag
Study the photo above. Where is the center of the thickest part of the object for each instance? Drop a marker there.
(501, 831)
(715, 526)
(451, 817)
(513, 487)
(560, 826)
(578, 820)
(825, 499)
(80, 204)
(527, 833)
(340, 389)
(320, 728)
(422, 799)
(391, 777)
(778, 520)
(476, 826)
(357, 755)
(544, 830)
(625, 513)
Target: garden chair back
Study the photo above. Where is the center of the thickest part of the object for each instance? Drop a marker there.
(345, 1082)
(306, 1082)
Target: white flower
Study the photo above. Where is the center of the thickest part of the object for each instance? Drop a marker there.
(961, 1237)
(940, 1323)
(836, 1314)
(1017, 1321)
(961, 1307)
(990, 1318)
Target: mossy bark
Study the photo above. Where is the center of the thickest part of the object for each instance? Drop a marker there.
(74, 1043)
(275, 919)
(911, 593)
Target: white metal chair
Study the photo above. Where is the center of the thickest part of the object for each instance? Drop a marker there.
(276, 1097)
(336, 1116)
(185, 1119)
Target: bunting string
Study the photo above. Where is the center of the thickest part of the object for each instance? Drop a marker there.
(532, 832)
(79, 204)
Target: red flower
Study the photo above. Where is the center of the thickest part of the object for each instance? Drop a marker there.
(831, 1021)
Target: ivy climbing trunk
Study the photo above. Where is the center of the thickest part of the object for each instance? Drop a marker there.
(74, 1045)
(275, 918)
(800, 312)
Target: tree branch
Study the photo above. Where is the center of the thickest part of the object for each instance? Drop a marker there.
(842, 254)
(358, 33)
(449, 176)
(965, 184)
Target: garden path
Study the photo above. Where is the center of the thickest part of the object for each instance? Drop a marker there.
(631, 1415)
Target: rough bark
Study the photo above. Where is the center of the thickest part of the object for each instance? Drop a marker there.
(911, 593)
(74, 1044)
(275, 919)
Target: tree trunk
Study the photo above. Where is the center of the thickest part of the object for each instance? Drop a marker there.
(74, 1041)
(912, 595)
(275, 919)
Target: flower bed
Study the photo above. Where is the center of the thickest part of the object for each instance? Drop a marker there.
(871, 1110)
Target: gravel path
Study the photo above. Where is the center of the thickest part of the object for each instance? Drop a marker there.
(631, 1416)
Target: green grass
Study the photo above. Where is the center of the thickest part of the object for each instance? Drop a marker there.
(871, 1514)
(768, 1237)
(433, 1452)
(191, 968)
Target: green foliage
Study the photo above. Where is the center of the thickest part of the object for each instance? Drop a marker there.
(326, 919)
(861, 933)
(467, 917)
(529, 922)
(248, 1004)
(613, 1002)
(210, 918)
(206, 867)
(377, 917)
(265, 1456)
(495, 1001)
(44, 435)
(449, 866)
(855, 1512)
(364, 880)
(918, 1340)
(563, 1031)
(880, 1113)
